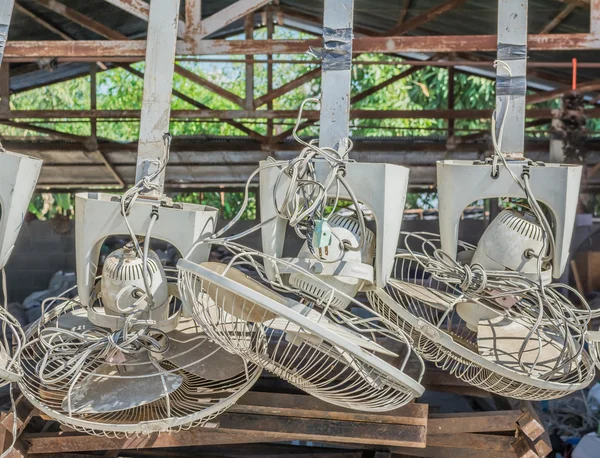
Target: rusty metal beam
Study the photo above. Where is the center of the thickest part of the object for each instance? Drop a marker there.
(372, 90)
(275, 114)
(426, 17)
(287, 87)
(222, 92)
(120, 50)
(193, 19)
(249, 67)
(595, 18)
(550, 95)
(22, 9)
(238, 125)
(45, 130)
(141, 10)
(81, 19)
(229, 15)
(560, 17)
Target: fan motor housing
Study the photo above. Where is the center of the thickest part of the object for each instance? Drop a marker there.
(345, 229)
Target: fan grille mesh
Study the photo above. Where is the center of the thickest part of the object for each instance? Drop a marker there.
(196, 402)
(290, 351)
(409, 270)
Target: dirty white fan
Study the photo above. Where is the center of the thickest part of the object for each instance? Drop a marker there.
(123, 358)
(516, 341)
(337, 356)
(18, 177)
(147, 380)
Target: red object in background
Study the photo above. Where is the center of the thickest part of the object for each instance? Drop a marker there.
(574, 73)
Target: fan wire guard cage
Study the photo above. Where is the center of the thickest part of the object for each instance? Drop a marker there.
(194, 403)
(275, 337)
(443, 338)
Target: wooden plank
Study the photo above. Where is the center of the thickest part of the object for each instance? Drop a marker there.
(477, 422)
(426, 17)
(121, 50)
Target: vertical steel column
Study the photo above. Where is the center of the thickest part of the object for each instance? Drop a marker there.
(158, 86)
(336, 74)
(511, 79)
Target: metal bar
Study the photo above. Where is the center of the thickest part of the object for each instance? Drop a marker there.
(270, 31)
(549, 95)
(249, 31)
(595, 18)
(5, 88)
(560, 17)
(372, 90)
(45, 130)
(93, 106)
(193, 19)
(287, 87)
(6, 8)
(229, 15)
(534, 113)
(141, 9)
(227, 95)
(426, 17)
(81, 19)
(20, 8)
(511, 77)
(134, 50)
(451, 100)
(336, 75)
(158, 87)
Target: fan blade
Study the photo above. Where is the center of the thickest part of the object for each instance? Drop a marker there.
(437, 299)
(500, 339)
(235, 304)
(115, 388)
(190, 350)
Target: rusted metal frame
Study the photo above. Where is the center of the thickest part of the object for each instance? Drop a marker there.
(228, 15)
(595, 18)
(270, 31)
(193, 19)
(238, 125)
(404, 12)
(220, 91)
(356, 98)
(156, 98)
(249, 32)
(141, 9)
(533, 113)
(132, 51)
(288, 87)
(5, 88)
(45, 130)
(426, 17)
(40, 20)
(550, 95)
(93, 104)
(451, 101)
(81, 19)
(559, 18)
(22, 9)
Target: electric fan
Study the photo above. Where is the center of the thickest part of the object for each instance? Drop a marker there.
(518, 340)
(18, 177)
(137, 380)
(124, 358)
(330, 353)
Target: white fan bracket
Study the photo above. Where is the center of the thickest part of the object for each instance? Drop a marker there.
(350, 269)
(381, 187)
(463, 182)
(18, 177)
(98, 216)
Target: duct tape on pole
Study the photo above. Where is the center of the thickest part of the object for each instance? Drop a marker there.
(336, 55)
(511, 77)
(158, 87)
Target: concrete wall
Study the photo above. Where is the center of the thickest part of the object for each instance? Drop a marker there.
(40, 251)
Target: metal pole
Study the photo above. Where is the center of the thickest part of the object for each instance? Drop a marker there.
(336, 74)
(511, 79)
(158, 86)
(6, 8)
